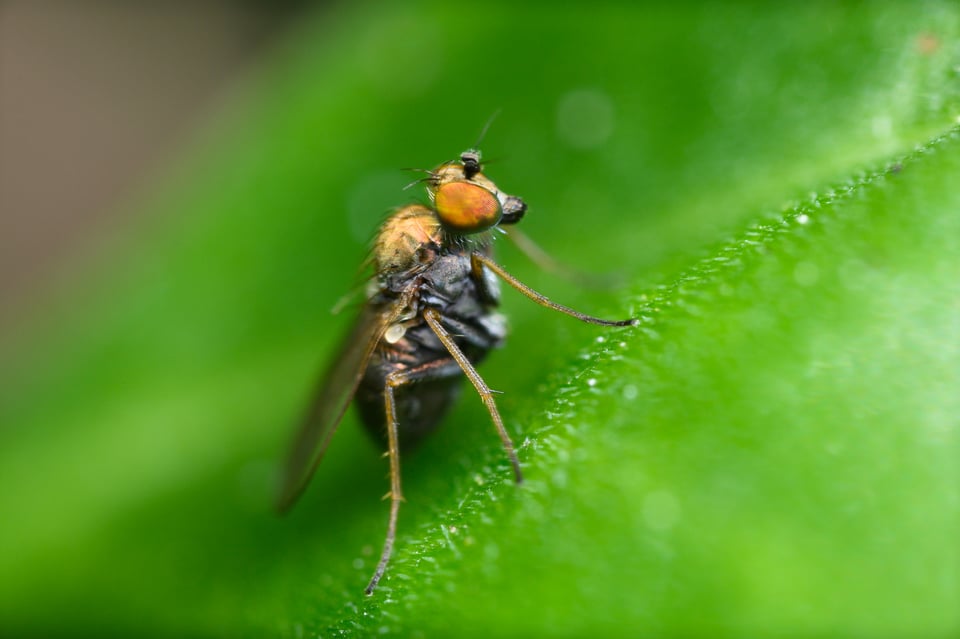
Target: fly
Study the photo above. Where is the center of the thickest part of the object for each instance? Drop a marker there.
(430, 318)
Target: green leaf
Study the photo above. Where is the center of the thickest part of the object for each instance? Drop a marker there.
(774, 450)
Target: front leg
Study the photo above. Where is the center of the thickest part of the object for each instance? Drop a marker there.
(478, 261)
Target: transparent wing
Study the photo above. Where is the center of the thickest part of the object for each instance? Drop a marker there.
(331, 399)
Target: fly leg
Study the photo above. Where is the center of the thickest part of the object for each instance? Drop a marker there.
(545, 261)
(478, 261)
(432, 370)
(433, 318)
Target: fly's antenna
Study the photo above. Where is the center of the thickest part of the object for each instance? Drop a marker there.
(471, 163)
(486, 127)
(471, 157)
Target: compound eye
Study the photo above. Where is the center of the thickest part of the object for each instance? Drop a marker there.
(464, 207)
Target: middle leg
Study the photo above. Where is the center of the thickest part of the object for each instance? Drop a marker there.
(435, 320)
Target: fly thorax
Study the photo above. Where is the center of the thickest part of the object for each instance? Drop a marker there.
(407, 240)
(447, 279)
(495, 324)
(492, 284)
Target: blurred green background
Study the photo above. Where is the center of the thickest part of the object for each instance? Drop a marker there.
(774, 451)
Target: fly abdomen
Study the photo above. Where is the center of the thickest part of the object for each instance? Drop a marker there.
(420, 404)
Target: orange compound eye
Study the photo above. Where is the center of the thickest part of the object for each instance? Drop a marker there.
(467, 208)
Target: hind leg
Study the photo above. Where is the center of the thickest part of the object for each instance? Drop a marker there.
(437, 369)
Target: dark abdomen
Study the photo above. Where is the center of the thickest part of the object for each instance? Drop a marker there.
(420, 405)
